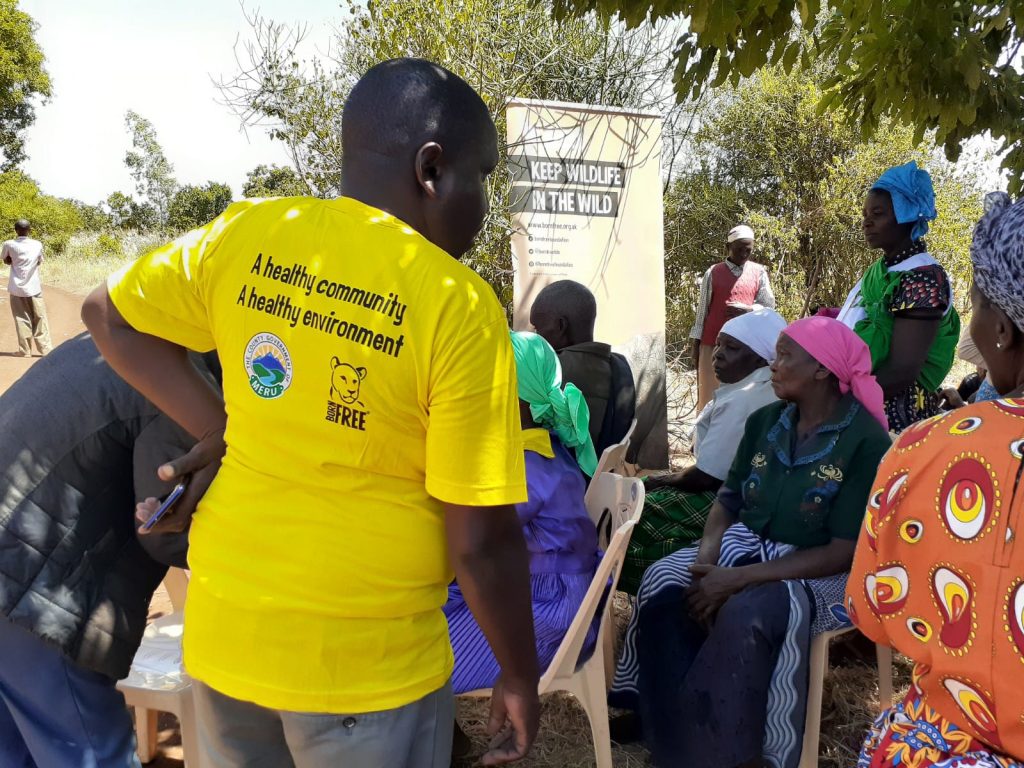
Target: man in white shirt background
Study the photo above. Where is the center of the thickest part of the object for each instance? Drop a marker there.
(24, 255)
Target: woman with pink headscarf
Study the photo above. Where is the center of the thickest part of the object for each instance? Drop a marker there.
(722, 629)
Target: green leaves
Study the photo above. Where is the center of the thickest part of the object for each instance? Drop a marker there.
(149, 166)
(770, 155)
(193, 206)
(941, 67)
(23, 81)
(53, 219)
(273, 181)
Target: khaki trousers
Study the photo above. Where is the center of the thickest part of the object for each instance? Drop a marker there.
(30, 323)
(707, 382)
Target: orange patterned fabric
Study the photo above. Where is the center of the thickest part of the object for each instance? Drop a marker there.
(939, 572)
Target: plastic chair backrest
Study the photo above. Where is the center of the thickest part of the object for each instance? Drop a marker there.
(611, 500)
(599, 595)
(614, 456)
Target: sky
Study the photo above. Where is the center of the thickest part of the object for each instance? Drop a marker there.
(160, 58)
(155, 57)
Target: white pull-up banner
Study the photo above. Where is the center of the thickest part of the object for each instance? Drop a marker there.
(586, 205)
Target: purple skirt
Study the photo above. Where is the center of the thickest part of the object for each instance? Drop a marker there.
(556, 599)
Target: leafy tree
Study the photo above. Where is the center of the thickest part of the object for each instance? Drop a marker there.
(941, 67)
(23, 79)
(53, 219)
(504, 48)
(194, 206)
(767, 157)
(149, 166)
(273, 181)
(94, 218)
(119, 208)
(126, 213)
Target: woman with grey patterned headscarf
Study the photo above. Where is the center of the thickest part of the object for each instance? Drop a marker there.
(997, 327)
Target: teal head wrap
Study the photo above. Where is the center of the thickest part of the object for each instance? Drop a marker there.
(913, 198)
(557, 409)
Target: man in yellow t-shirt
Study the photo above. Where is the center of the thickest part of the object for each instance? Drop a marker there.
(370, 445)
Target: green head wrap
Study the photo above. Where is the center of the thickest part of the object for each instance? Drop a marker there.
(557, 409)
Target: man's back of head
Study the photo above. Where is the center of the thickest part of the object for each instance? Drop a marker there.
(564, 313)
(22, 227)
(419, 142)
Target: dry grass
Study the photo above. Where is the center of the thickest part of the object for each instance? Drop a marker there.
(564, 739)
(90, 258)
(850, 703)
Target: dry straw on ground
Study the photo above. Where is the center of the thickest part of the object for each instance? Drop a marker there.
(850, 704)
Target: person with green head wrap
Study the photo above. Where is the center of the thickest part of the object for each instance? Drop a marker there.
(561, 410)
(560, 538)
(903, 305)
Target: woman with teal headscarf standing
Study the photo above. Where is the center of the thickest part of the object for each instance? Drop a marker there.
(903, 305)
(560, 538)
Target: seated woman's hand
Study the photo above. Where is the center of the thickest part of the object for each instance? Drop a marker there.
(951, 398)
(653, 482)
(712, 586)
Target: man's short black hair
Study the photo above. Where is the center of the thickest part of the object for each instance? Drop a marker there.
(571, 300)
(401, 104)
(22, 224)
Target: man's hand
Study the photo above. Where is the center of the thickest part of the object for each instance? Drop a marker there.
(200, 466)
(712, 586)
(488, 554)
(515, 717)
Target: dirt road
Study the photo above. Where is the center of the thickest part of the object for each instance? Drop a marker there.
(62, 309)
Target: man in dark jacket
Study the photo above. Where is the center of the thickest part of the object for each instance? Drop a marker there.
(564, 313)
(78, 449)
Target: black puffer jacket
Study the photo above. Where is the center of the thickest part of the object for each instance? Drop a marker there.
(78, 447)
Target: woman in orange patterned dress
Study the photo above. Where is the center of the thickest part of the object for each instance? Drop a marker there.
(939, 572)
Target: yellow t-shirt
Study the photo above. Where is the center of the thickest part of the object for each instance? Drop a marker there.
(368, 376)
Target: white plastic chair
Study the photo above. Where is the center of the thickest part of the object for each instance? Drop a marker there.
(615, 499)
(815, 687)
(586, 681)
(611, 500)
(157, 681)
(613, 458)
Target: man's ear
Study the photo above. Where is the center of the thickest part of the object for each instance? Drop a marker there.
(428, 167)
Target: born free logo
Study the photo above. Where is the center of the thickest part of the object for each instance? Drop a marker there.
(269, 365)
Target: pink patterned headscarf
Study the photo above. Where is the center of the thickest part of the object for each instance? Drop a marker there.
(846, 355)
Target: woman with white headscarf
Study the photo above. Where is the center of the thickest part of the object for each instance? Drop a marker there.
(677, 505)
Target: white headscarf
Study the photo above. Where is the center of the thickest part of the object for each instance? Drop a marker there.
(742, 232)
(968, 351)
(759, 330)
